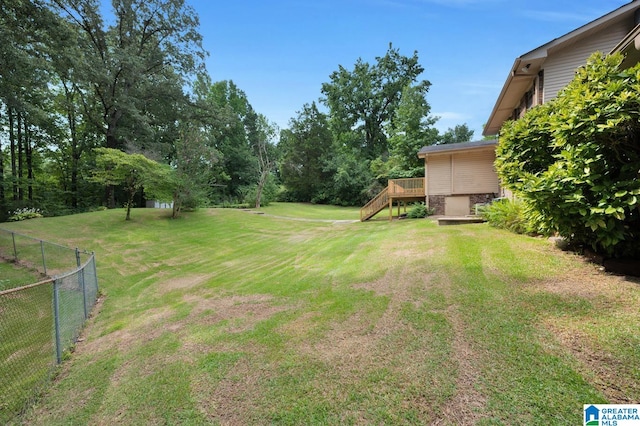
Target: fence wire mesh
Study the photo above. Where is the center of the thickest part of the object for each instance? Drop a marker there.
(40, 321)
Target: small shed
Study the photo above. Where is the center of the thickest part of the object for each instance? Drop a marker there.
(459, 176)
(155, 204)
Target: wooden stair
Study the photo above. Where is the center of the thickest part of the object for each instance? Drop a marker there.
(375, 206)
(399, 190)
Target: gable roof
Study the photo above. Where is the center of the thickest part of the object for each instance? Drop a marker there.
(456, 147)
(526, 67)
(630, 47)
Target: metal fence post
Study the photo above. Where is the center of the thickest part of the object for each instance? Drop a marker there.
(44, 260)
(95, 271)
(56, 320)
(82, 284)
(15, 252)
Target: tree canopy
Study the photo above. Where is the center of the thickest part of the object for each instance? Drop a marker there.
(76, 77)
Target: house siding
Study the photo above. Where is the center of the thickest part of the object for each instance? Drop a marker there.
(439, 175)
(473, 173)
(561, 66)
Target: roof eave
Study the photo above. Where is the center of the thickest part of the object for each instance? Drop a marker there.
(502, 109)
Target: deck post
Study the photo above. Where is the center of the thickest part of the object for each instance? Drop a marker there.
(390, 209)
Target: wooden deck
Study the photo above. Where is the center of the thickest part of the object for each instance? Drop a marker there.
(398, 191)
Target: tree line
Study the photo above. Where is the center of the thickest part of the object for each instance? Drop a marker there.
(87, 96)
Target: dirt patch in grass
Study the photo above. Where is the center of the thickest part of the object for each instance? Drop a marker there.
(603, 369)
(241, 313)
(613, 298)
(235, 396)
(180, 283)
(468, 403)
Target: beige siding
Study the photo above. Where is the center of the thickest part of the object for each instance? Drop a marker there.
(561, 65)
(473, 173)
(439, 174)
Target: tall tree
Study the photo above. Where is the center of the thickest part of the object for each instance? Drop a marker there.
(127, 62)
(152, 45)
(262, 134)
(411, 129)
(460, 133)
(306, 147)
(362, 102)
(197, 168)
(227, 125)
(25, 30)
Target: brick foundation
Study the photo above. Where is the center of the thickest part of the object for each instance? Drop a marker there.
(436, 202)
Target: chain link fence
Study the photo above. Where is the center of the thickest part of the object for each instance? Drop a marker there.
(39, 322)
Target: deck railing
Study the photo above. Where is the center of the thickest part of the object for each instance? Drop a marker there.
(379, 202)
(396, 189)
(406, 187)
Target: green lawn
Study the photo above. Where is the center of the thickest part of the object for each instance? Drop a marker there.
(12, 275)
(229, 317)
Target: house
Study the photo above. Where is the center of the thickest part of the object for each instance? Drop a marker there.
(460, 175)
(537, 76)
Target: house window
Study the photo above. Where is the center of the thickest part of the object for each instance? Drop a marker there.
(528, 99)
(540, 87)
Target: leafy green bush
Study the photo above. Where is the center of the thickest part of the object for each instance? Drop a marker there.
(24, 214)
(507, 214)
(419, 210)
(575, 160)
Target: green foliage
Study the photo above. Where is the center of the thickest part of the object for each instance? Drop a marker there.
(411, 129)
(306, 147)
(268, 195)
(134, 172)
(350, 183)
(507, 214)
(460, 133)
(24, 214)
(362, 102)
(418, 211)
(575, 160)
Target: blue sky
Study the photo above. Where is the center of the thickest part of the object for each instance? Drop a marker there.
(279, 52)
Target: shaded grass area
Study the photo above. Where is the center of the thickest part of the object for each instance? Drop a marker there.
(12, 275)
(312, 211)
(225, 317)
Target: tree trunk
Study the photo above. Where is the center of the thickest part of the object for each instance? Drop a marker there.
(176, 206)
(20, 158)
(12, 142)
(75, 160)
(1, 180)
(112, 142)
(263, 180)
(29, 154)
(76, 151)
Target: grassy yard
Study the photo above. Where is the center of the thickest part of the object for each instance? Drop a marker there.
(230, 317)
(12, 275)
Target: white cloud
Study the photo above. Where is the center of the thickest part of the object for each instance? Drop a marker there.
(451, 116)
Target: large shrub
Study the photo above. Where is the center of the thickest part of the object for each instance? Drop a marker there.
(576, 159)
